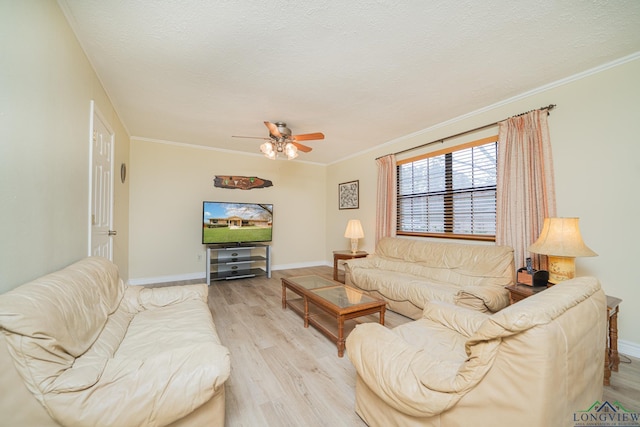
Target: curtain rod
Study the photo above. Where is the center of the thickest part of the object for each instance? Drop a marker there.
(441, 140)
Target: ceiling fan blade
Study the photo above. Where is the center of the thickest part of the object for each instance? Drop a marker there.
(301, 147)
(308, 136)
(273, 129)
(251, 137)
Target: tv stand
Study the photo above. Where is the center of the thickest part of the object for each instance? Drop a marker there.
(238, 261)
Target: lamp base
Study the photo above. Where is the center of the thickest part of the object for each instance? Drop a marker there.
(354, 246)
(561, 268)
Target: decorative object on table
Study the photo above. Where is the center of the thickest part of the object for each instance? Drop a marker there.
(534, 278)
(561, 241)
(348, 195)
(354, 232)
(280, 141)
(241, 182)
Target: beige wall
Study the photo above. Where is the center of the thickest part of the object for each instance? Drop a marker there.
(46, 87)
(594, 133)
(169, 182)
(46, 84)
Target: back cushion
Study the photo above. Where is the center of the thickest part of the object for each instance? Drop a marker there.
(453, 263)
(54, 319)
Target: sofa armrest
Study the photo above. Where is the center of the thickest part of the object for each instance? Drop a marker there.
(366, 262)
(463, 320)
(387, 364)
(414, 380)
(356, 263)
(146, 298)
(492, 298)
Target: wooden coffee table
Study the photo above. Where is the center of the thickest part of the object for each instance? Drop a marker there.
(329, 306)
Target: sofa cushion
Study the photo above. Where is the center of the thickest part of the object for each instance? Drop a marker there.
(56, 318)
(399, 286)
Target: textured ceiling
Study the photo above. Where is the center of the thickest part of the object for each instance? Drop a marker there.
(362, 72)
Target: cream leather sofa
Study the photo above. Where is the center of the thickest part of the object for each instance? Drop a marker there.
(534, 364)
(80, 348)
(409, 273)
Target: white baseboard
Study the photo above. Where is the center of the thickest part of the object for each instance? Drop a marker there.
(165, 279)
(201, 274)
(629, 348)
(301, 265)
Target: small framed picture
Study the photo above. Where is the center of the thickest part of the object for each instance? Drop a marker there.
(348, 197)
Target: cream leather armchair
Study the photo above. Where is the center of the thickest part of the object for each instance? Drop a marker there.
(534, 363)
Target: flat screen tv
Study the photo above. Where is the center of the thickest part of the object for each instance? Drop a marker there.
(238, 223)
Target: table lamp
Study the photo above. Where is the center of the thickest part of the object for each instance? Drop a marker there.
(354, 232)
(561, 241)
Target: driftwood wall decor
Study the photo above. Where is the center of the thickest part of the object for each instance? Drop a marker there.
(241, 182)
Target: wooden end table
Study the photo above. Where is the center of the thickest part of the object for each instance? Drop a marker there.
(519, 292)
(611, 356)
(344, 255)
(327, 305)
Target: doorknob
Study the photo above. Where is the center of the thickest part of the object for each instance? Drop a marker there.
(112, 232)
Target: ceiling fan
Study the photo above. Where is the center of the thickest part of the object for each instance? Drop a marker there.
(280, 140)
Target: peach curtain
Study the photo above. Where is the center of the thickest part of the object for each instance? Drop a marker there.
(386, 197)
(525, 183)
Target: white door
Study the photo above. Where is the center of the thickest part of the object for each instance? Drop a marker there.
(101, 198)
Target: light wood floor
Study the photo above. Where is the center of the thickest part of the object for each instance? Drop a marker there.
(285, 375)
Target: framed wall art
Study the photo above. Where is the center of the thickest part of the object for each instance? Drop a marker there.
(348, 195)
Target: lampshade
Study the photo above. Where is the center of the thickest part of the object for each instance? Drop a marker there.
(561, 237)
(354, 230)
(561, 241)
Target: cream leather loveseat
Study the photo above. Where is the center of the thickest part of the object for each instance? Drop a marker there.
(80, 348)
(536, 363)
(409, 273)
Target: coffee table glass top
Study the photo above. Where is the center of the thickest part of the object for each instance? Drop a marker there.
(312, 282)
(344, 296)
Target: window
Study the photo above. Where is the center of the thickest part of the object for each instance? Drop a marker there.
(449, 193)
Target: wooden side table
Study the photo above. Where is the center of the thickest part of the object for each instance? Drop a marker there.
(519, 292)
(344, 255)
(611, 356)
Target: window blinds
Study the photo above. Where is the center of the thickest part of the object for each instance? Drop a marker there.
(449, 194)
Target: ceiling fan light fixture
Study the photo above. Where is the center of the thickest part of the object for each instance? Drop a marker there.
(267, 149)
(292, 156)
(291, 151)
(282, 141)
